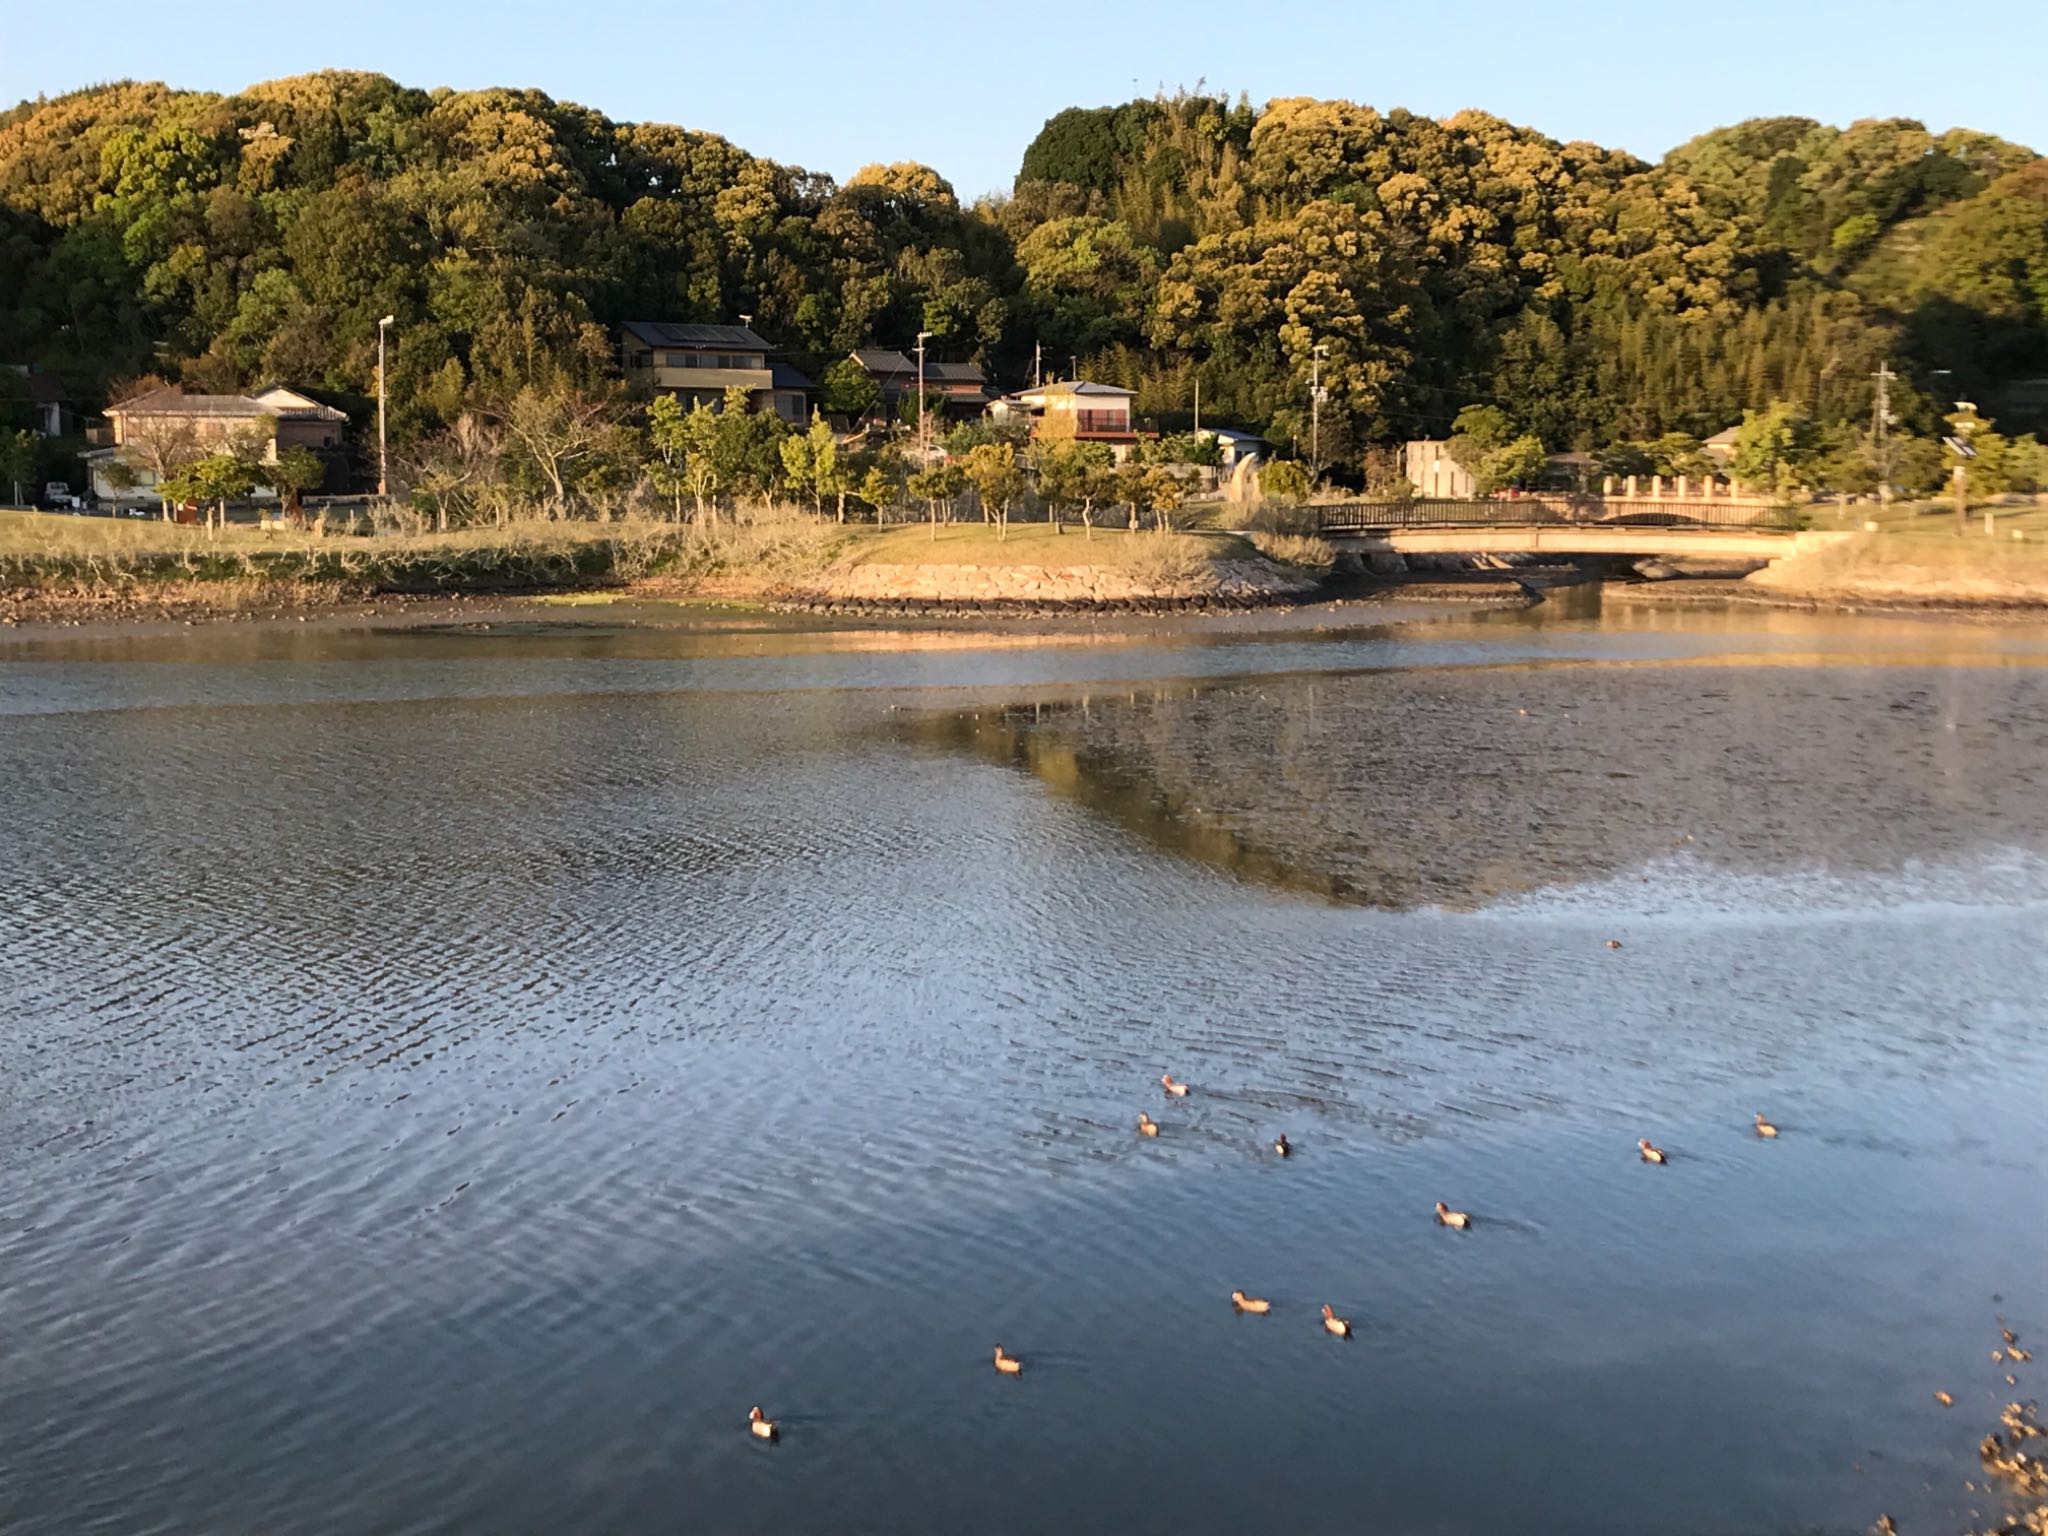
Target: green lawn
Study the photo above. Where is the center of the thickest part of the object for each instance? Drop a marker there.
(1027, 544)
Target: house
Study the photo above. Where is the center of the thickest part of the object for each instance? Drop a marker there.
(699, 363)
(1721, 447)
(168, 424)
(1077, 409)
(958, 391)
(1426, 463)
(1235, 447)
(54, 416)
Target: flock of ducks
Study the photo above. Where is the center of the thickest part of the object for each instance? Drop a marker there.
(765, 1428)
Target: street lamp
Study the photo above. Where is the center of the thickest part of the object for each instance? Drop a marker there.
(383, 461)
(922, 338)
(1315, 412)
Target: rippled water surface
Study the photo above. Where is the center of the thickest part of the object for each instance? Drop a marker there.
(451, 1075)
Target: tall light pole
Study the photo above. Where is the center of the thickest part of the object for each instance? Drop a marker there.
(922, 338)
(1315, 412)
(383, 460)
(1880, 419)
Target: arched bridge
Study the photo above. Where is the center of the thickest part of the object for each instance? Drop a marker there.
(1580, 525)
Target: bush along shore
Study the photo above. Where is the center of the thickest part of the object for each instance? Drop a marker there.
(58, 569)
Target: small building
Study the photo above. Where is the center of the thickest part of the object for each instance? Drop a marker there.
(1720, 448)
(1235, 447)
(168, 423)
(1077, 409)
(1427, 465)
(54, 415)
(957, 391)
(699, 363)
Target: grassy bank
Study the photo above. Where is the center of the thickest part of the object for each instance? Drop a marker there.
(53, 558)
(1910, 563)
(56, 565)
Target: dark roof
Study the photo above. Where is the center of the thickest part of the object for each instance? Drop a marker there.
(954, 373)
(44, 389)
(660, 333)
(881, 360)
(783, 376)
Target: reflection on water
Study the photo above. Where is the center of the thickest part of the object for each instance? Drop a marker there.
(453, 1075)
(1434, 786)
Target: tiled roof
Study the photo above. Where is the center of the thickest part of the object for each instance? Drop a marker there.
(883, 361)
(1078, 387)
(954, 373)
(783, 376)
(172, 401)
(660, 333)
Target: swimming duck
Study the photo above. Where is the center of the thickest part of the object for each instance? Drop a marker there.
(1280, 1146)
(1245, 1303)
(2014, 1352)
(1447, 1217)
(1173, 1090)
(1614, 943)
(1764, 1128)
(1147, 1126)
(1009, 1365)
(1650, 1154)
(1944, 1399)
(1338, 1325)
(763, 1427)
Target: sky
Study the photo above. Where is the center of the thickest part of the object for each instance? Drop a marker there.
(964, 87)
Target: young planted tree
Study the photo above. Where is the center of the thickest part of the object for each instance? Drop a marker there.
(997, 481)
(668, 442)
(297, 471)
(878, 491)
(1133, 485)
(1164, 493)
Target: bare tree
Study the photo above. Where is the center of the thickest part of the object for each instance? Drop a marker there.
(562, 435)
(458, 470)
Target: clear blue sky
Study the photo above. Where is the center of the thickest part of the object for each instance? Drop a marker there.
(963, 86)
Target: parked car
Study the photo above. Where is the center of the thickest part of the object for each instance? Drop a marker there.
(57, 497)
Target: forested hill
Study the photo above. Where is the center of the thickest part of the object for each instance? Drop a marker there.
(1591, 296)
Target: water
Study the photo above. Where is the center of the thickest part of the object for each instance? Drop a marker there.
(454, 1075)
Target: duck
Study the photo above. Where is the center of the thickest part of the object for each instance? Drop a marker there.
(1245, 1303)
(1147, 1126)
(1340, 1326)
(1614, 943)
(1449, 1218)
(1764, 1128)
(763, 1427)
(1173, 1090)
(1009, 1365)
(2014, 1352)
(1944, 1399)
(1649, 1153)
(1281, 1147)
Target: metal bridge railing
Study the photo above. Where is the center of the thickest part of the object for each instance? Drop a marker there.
(1559, 511)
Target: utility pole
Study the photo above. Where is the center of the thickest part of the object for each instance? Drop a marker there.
(1880, 419)
(1037, 350)
(383, 459)
(1315, 413)
(1198, 405)
(922, 338)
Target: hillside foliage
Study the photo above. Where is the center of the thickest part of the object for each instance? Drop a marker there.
(1587, 295)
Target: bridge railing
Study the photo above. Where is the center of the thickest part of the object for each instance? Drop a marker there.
(1342, 517)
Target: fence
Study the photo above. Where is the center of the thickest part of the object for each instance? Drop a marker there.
(1342, 517)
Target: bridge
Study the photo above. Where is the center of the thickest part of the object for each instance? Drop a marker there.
(1717, 526)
